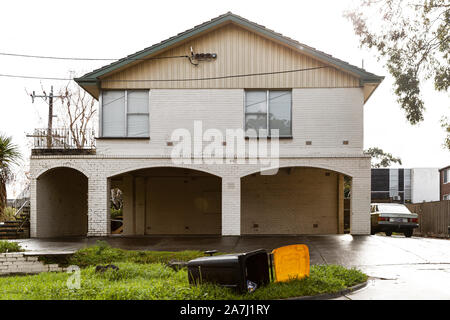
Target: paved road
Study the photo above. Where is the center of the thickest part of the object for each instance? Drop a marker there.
(408, 281)
(399, 267)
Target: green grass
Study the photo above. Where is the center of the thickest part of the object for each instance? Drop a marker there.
(156, 281)
(144, 275)
(6, 246)
(102, 253)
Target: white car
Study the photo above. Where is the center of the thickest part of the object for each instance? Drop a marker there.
(392, 217)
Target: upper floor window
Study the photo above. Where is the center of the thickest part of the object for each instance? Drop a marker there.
(446, 173)
(125, 113)
(266, 110)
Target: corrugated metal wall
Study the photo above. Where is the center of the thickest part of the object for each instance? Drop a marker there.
(239, 52)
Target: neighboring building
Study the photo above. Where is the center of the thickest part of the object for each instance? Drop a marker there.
(228, 73)
(424, 185)
(444, 183)
(405, 185)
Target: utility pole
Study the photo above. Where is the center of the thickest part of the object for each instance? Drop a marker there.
(50, 112)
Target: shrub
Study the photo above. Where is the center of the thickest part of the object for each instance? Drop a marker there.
(8, 214)
(101, 253)
(6, 246)
(116, 213)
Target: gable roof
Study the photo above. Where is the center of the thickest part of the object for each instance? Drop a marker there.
(92, 77)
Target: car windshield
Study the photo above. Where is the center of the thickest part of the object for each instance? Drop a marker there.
(387, 208)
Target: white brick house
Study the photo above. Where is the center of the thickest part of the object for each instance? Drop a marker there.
(257, 79)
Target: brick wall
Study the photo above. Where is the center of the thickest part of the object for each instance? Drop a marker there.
(177, 201)
(24, 263)
(295, 201)
(325, 116)
(98, 169)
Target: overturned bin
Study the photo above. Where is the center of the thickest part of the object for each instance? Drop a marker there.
(242, 271)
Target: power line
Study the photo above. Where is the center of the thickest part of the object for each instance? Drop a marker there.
(171, 80)
(34, 77)
(86, 59)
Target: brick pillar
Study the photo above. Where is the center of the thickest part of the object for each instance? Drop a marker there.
(360, 205)
(33, 209)
(99, 219)
(231, 206)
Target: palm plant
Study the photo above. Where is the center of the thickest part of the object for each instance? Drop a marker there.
(9, 156)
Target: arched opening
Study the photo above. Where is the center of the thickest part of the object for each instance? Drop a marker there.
(170, 201)
(295, 200)
(61, 203)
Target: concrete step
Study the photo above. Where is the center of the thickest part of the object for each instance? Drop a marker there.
(13, 236)
(14, 226)
(10, 223)
(2, 232)
(13, 233)
(6, 230)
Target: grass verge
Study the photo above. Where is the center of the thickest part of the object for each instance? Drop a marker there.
(156, 281)
(144, 275)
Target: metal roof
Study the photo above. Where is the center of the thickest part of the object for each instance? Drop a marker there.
(229, 17)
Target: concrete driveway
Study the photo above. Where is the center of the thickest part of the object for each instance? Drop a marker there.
(399, 267)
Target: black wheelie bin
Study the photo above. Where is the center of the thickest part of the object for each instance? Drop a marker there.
(240, 271)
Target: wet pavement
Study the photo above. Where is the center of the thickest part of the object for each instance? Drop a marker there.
(408, 281)
(399, 267)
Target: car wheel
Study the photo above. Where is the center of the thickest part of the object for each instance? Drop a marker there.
(388, 233)
(408, 233)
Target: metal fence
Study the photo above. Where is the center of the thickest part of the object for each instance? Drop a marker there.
(434, 218)
(63, 138)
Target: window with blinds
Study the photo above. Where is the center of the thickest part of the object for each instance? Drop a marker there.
(125, 113)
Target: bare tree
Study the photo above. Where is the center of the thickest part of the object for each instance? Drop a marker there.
(79, 112)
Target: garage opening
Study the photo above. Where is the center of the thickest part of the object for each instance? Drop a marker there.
(170, 201)
(62, 203)
(296, 200)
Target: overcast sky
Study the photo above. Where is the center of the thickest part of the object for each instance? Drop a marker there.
(114, 29)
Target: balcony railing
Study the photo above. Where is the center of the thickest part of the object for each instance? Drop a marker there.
(63, 138)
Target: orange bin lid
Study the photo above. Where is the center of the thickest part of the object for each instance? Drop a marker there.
(291, 262)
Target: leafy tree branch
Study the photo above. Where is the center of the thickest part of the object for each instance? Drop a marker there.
(381, 159)
(413, 38)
